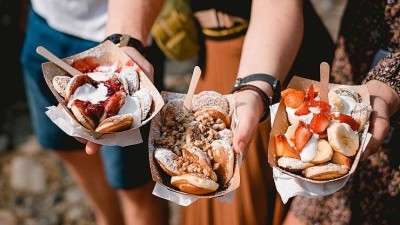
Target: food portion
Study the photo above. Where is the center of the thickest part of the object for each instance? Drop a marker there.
(194, 148)
(105, 98)
(322, 138)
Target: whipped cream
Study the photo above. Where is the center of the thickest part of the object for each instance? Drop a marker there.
(293, 119)
(107, 69)
(310, 149)
(99, 76)
(87, 92)
(132, 106)
(349, 104)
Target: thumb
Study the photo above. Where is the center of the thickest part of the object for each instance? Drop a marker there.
(92, 148)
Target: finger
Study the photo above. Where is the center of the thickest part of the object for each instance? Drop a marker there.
(248, 121)
(92, 148)
(379, 129)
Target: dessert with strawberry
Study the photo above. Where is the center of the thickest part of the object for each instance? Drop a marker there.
(105, 98)
(323, 137)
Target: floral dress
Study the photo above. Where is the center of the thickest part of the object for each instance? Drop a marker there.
(372, 194)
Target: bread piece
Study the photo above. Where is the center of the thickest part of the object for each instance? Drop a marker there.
(214, 113)
(146, 101)
(292, 164)
(226, 135)
(210, 99)
(197, 155)
(224, 157)
(167, 161)
(115, 123)
(174, 110)
(60, 83)
(194, 183)
(79, 112)
(131, 77)
(326, 172)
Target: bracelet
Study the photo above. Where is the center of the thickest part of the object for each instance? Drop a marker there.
(122, 40)
(260, 92)
(271, 80)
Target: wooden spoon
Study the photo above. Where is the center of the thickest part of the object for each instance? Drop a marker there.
(52, 58)
(192, 87)
(324, 80)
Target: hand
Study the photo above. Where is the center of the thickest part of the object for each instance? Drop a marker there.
(92, 148)
(141, 61)
(379, 126)
(384, 102)
(249, 108)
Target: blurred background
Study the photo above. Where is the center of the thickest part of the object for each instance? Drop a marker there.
(35, 188)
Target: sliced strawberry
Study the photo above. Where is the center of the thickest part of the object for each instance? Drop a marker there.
(302, 136)
(285, 92)
(291, 153)
(323, 106)
(319, 123)
(343, 118)
(311, 94)
(303, 109)
(281, 144)
(293, 98)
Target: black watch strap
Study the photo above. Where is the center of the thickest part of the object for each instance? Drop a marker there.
(275, 84)
(122, 40)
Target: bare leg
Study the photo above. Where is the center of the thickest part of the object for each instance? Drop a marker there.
(143, 208)
(291, 219)
(88, 173)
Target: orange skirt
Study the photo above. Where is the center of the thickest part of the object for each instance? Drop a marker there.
(255, 199)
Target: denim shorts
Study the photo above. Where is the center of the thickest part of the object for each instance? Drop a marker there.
(126, 167)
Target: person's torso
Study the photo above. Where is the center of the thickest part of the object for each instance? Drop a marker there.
(85, 19)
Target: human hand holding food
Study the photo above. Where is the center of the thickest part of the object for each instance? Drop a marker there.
(385, 102)
(249, 109)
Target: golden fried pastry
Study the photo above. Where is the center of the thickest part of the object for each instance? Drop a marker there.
(292, 164)
(210, 99)
(326, 171)
(115, 123)
(224, 160)
(194, 183)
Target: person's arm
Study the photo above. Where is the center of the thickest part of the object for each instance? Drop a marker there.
(271, 44)
(383, 84)
(134, 18)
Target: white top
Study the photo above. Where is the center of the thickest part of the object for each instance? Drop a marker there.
(81, 18)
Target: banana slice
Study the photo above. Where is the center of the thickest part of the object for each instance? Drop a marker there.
(336, 102)
(343, 139)
(324, 152)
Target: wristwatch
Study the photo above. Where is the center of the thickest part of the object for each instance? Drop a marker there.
(122, 40)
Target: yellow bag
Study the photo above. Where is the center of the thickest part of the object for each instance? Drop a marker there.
(175, 32)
